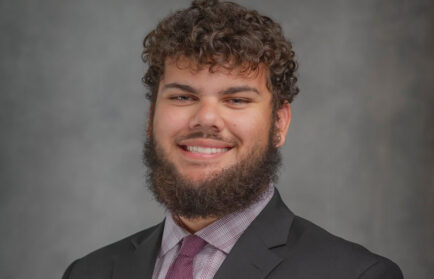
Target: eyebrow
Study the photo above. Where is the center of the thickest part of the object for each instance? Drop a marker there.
(227, 91)
(182, 87)
(238, 89)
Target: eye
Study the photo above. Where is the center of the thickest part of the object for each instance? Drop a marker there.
(182, 98)
(237, 102)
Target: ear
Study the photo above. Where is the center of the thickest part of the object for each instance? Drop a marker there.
(282, 123)
(149, 124)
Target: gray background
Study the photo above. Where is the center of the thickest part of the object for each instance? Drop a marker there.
(359, 158)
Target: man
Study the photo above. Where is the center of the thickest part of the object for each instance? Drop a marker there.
(221, 81)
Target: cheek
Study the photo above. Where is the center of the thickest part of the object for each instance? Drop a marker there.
(250, 128)
(167, 122)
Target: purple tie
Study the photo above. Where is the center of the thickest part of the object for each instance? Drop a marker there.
(182, 266)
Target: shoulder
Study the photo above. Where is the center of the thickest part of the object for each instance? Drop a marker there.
(99, 263)
(329, 256)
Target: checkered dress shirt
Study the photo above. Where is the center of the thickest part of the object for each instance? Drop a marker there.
(220, 236)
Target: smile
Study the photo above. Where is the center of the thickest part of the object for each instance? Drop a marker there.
(205, 150)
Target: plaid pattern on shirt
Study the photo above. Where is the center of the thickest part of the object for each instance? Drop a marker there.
(220, 236)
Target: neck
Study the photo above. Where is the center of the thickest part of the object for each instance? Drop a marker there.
(194, 224)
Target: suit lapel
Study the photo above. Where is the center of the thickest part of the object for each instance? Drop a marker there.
(249, 259)
(252, 257)
(140, 262)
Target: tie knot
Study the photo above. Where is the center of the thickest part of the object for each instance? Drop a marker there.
(191, 245)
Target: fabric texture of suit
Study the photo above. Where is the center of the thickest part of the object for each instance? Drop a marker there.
(277, 244)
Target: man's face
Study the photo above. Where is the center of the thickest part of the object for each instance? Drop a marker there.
(212, 144)
(206, 122)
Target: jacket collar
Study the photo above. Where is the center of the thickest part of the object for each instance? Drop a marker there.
(252, 256)
(141, 261)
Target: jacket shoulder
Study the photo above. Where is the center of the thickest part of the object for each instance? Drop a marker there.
(323, 255)
(99, 263)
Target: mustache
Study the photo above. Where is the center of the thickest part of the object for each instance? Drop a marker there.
(205, 134)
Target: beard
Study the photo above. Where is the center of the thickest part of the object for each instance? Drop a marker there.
(222, 192)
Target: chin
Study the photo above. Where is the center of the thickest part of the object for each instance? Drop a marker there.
(200, 176)
(197, 178)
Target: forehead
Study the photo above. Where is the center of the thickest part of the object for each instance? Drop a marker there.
(184, 69)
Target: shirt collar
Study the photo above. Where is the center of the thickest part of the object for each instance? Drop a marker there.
(223, 233)
(172, 234)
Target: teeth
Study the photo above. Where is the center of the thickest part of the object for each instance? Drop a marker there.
(206, 150)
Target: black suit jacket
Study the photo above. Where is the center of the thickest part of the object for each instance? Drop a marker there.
(277, 244)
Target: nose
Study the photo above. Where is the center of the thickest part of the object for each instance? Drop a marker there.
(207, 116)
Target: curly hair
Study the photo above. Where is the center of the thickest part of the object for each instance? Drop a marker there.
(222, 34)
